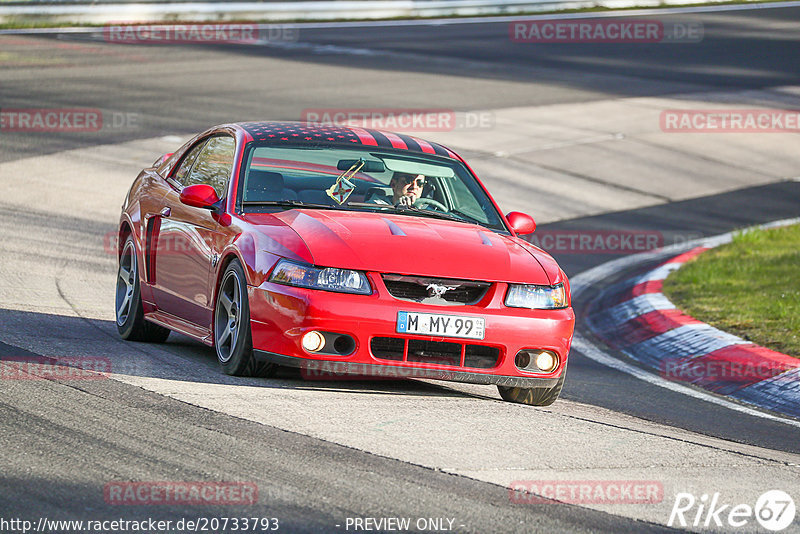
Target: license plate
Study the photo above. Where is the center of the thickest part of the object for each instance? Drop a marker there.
(434, 324)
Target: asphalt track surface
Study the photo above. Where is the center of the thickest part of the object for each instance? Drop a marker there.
(477, 67)
(62, 441)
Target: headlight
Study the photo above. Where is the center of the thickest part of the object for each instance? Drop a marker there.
(330, 279)
(536, 297)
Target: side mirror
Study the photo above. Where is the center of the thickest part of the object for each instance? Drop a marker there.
(199, 196)
(521, 223)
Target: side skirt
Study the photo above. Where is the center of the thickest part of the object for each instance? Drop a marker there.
(181, 326)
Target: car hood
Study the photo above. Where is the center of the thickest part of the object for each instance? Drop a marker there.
(415, 245)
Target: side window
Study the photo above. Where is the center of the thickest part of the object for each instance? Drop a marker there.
(186, 165)
(214, 164)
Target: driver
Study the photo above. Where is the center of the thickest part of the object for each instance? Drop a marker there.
(406, 188)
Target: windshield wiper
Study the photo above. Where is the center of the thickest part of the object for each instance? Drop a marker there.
(370, 205)
(468, 218)
(287, 204)
(441, 215)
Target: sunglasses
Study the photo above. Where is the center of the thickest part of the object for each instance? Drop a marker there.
(418, 182)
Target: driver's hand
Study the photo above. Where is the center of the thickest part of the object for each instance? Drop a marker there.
(406, 201)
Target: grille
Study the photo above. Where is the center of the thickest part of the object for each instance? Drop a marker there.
(481, 356)
(437, 352)
(388, 348)
(416, 288)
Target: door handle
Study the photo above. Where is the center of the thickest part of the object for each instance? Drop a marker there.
(166, 212)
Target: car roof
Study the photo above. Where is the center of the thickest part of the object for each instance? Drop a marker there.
(333, 135)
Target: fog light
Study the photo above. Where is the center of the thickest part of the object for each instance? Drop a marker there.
(523, 359)
(546, 361)
(313, 341)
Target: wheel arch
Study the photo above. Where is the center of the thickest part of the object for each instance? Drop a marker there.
(227, 257)
(124, 231)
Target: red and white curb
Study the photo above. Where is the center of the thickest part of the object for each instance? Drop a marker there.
(636, 318)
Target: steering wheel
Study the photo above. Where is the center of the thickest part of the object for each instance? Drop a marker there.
(425, 202)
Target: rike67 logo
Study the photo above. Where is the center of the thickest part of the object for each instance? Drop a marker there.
(774, 510)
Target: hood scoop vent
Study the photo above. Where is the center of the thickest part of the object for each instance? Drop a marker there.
(393, 228)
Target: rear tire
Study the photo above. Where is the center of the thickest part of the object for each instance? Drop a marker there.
(233, 337)
(534, 396)
(131, 324)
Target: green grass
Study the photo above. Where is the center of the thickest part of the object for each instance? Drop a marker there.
(750, 288)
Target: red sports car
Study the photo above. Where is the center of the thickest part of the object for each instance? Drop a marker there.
(341, 250)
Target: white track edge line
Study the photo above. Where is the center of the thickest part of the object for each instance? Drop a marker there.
(588, 349)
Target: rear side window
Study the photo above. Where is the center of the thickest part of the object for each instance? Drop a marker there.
(186, 164)
(214, 164)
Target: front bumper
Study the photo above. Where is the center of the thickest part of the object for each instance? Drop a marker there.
(331, 369)
(280, 315)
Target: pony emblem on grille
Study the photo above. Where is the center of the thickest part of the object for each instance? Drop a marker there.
(437, 290)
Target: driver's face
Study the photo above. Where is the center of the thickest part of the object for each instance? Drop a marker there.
(408, 186)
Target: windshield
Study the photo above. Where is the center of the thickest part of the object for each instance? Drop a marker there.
(363, 179)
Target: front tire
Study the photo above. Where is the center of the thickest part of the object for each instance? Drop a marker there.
(233, 338)
(131, 323)
(534, 396)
